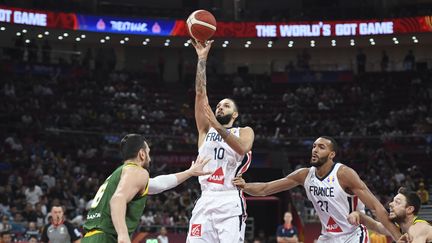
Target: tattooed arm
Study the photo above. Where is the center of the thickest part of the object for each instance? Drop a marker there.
(202, 50)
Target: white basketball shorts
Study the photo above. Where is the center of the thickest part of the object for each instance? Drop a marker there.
(359, 235)
(218, 217)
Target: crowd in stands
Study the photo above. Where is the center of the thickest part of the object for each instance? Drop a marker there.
(58, 122)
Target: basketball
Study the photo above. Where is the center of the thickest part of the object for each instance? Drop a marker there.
(201, 25)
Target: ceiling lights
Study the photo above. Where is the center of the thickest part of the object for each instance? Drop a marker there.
(312, 43)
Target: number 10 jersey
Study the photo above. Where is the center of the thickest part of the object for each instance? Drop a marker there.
(225, 162)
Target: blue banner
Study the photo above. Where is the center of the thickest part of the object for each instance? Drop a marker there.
(126, 25)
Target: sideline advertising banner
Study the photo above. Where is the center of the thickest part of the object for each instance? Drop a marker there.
(38, 18)
(165, 27)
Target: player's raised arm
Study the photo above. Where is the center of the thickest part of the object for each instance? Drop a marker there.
(267, 188)
(202, 50)
(350, 180)
(356, 217)
(133, 181)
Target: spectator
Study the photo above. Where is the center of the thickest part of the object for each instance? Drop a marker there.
(287, 233)
(59, 230)
(6, 237)
(409, 61)
(32, 231)
(261, 237)
(18, 224)
(19, 48)
(46, 52)
(32, 50)
(423, 193)
(377, 237)
(163, 237)
(33, 239)
(5, 224)
(361, 61)
(4, 204)
(33, 193)
(384, 62)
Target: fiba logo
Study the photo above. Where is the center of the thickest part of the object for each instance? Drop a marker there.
(196, 230)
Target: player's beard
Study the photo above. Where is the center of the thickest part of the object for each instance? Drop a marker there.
(146, 165)
(320, 161)
(224, 120)
(398, 218)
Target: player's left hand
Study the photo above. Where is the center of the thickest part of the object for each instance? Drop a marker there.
(210, 116)
(202, 48)
(239, 182)
(197, 167)
(354, 218)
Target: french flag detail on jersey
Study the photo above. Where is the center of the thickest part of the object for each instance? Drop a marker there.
(244, 164)
(352, 202)
(240, 170)
(364, 235)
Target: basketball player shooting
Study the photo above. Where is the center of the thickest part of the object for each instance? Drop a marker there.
(334, 189)
(219, 214)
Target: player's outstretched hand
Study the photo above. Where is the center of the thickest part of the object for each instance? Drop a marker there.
(405, 238)
(197, 167)
(202, 48)
(354, 218)
(239, 182)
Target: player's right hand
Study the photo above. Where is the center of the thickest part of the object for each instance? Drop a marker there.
(197, 167)
(239, 182)
(405, 238)
(354, 218)
(123, 239)
(202, 48)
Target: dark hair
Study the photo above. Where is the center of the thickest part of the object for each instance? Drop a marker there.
(131, 144)
(58, 205)
(412, 199)
(235, 104)
(335, 146)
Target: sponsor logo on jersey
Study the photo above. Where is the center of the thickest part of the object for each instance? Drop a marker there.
(196, 230)
(217, 177)
(332, 226)
(93, 216)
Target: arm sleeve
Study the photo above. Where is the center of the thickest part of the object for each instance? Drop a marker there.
(74, 233)
(162, 183)
(44, 236)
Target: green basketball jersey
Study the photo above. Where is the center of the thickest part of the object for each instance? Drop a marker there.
(99, 216)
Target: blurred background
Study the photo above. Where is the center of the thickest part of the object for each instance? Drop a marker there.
(76, 76)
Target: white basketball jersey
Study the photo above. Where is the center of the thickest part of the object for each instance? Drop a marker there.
(331, 202)
(225, 162)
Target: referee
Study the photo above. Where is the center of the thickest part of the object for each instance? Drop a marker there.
(59, 230)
